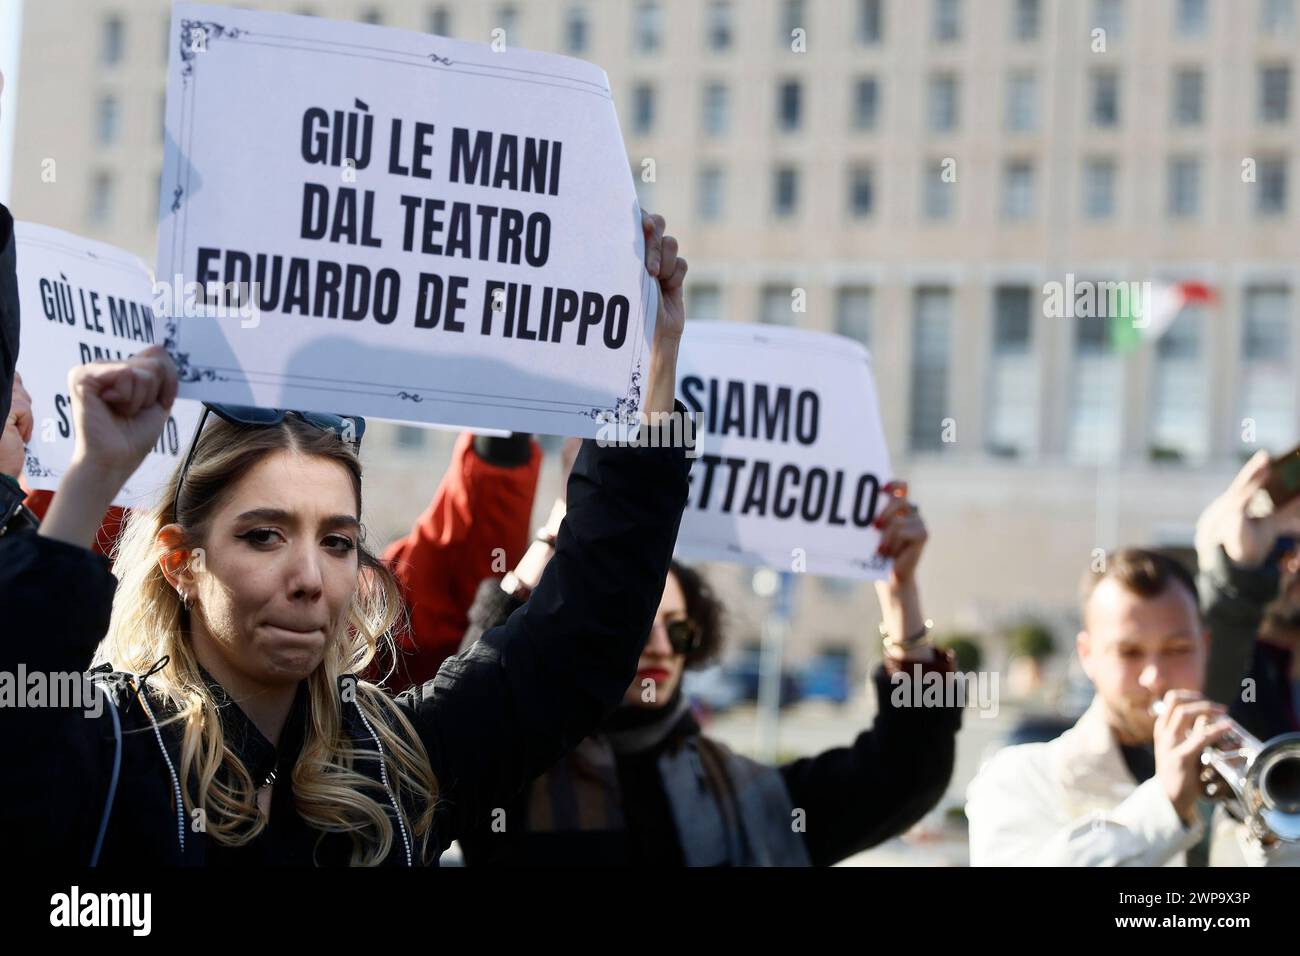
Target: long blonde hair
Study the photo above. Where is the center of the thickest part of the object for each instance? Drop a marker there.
(149, 623)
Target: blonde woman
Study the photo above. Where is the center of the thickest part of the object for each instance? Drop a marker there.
(226, 725)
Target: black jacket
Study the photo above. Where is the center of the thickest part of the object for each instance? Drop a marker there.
(495, 716)
(8, 312)
(853, 797)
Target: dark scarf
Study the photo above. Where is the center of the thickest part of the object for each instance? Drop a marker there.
(727, 809)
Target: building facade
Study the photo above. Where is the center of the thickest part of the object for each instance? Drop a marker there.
(916, 174)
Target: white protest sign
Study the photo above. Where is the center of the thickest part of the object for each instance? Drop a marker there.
(793, 460)
(82, 301)
(434, 230)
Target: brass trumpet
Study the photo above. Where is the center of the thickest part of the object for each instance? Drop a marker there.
(1259, 782)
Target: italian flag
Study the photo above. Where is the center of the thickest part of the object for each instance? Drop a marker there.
(1146, 321)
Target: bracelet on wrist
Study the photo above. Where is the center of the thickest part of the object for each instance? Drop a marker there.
(909, 643)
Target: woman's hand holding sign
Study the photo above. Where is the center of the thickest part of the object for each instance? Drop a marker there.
(663, 262)
(119, 409)
(902, 538)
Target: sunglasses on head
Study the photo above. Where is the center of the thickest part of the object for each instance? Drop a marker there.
(684, 636)
(348, 428)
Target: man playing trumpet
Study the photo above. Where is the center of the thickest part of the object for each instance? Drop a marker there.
(1124, 786)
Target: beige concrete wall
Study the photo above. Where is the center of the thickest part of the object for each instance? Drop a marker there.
(1008, 538)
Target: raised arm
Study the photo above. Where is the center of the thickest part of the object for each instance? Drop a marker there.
(57, 596)
(477, 524)
(528, 691)
(1235, 581)
(894, 773)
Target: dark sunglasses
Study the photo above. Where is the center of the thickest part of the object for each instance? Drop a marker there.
(684, 636)
(348, 428)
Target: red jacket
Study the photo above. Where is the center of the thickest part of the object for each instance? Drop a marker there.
(476, 527)
(38, 502)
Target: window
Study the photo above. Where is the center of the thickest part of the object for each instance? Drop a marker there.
(777, 304)
(1274, 93)
(643, 108)
(1018, 190)
(947, 21)
(1095, 409)
(719, 25)
(647, 27)
(1025, 19)
(101, 198)
(507, 19)
(788, 106)
(1189, 96)
(938, 192)
(114, 40)
(1104, 108)
(1022, 102)
(1108, 15)
(408, 436)
(1267, 384)
(853, 308)
(1270, 187)
(717, 114)
(943, 102)
(1178, 424)
(1013, 385)
(1276, 17)
(1184, 187)
(871, 22)
(577, 30)
(792, 19)
(704, 302)
(931, 322)
(440, 21)
(372, 15)
(711, 195)
(866, 103)
(862, 190)
(108, 120)
(1192, 18)
(1099, 188)
(785, 191)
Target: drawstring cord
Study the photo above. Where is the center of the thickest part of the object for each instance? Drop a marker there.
(383, 773)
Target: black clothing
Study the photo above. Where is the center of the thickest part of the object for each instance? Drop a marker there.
(1140, 760)
(493, 718)
(8, 312)
(852, 797)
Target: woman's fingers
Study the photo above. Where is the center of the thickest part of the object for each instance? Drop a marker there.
(128, 387)
(20, 409)
(653, 225)
(668, 260)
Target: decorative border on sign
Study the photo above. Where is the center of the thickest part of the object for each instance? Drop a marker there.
(186, 371)
(34, 468)
(202, 31)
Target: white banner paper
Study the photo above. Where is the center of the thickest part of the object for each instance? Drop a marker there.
(793, 459)
(82, 301)
(378, 187)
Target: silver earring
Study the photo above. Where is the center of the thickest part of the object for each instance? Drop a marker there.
(187, 600)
